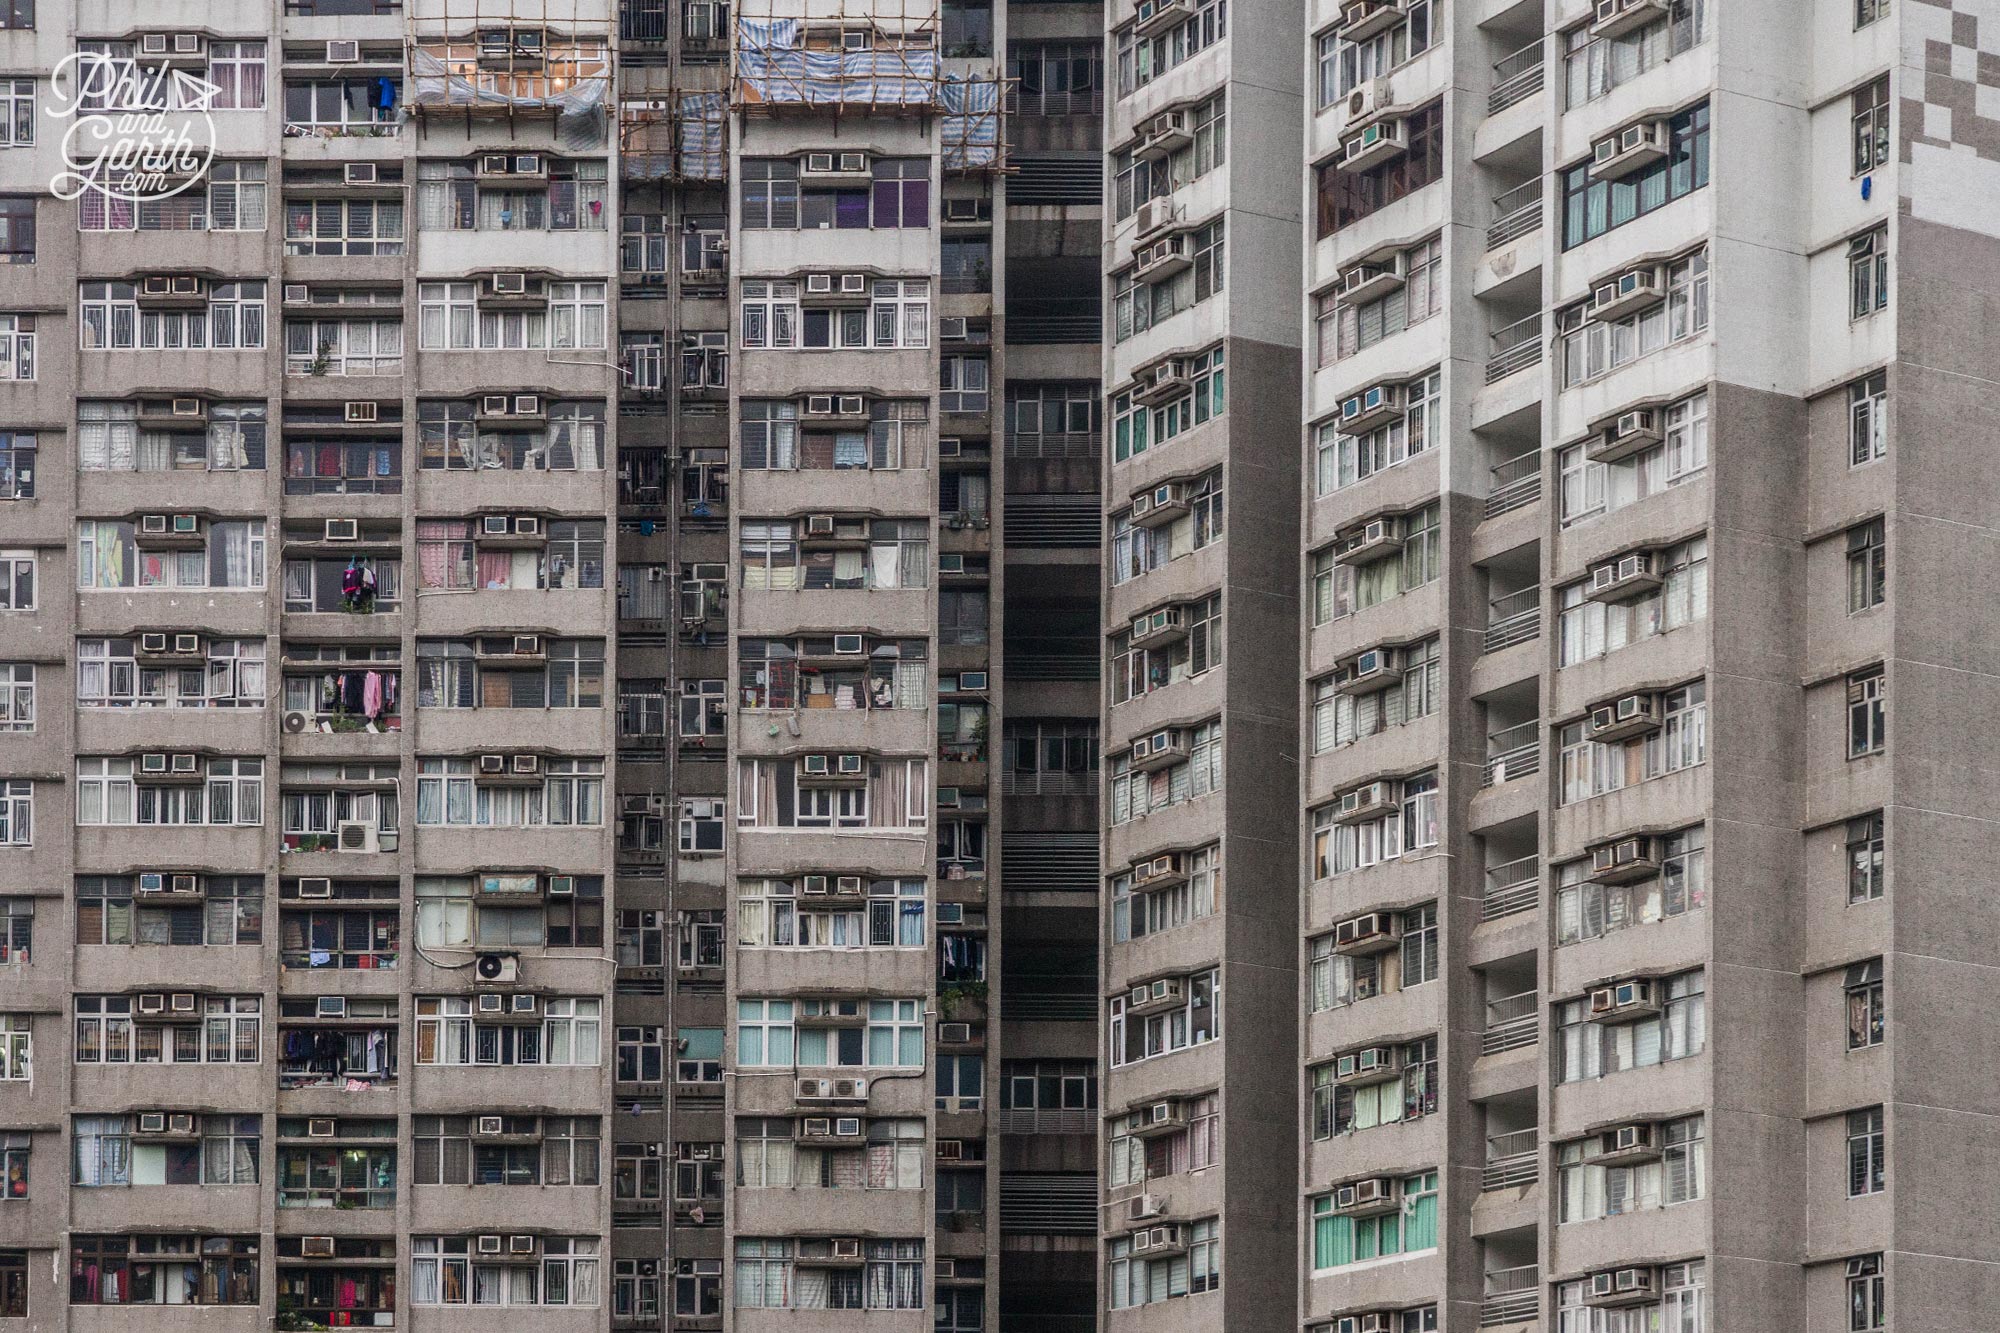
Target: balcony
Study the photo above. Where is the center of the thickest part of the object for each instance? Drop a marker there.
(1516, 213)
(1513, 752)
(1512, 1022)
(1049, 1120)
(1512, 1296)
(1516, 77)
(1515, 347)
(1514, 484)
(1511, 888)
(1514, 617)
(1511, 1161)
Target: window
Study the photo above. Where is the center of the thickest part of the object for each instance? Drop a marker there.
(17, 812)
(17, 347)
(113, 320)
(1589, 911)
(1137, 913)
(1867, 1157)
(14, 1163)
(220, 1029)
(1180, 1012)
(700, 825)
(1057, 78)
(1587, 1188)
(1868, 273)
(1338, 1109)
(1592, 207)
(1346, 197)
(17, 107)
(889, 1034)
(1865, 1013)
(107, 912)
(1342, 460)
(697, 1287)
(1355, 328)
(1138, 670)
(1867, 1299)
(1592, 768)
(1338, 1241)
(1867, 713)
(1140, 303)
(17, 580)
(1680, 1308)
(1592, 348)
(1868, 419)
(963, 383)
(17, 696)
(901, 196)
(1142, 1280)
(108, 793)
(1867, 566)
(17, 229)
(344, 227)
(1339, 588)
(163, 1270)
(1136, 427)
(1868, 11)
(232, 439)
(17, 931)
(237, 71)
(1343, 64)
(1588, 629)
(1143, 59)
(16, 1048)
(1593, 66)
(1870, 117)
(445, 1271)
(770, 914)
(1409, 826)
(17, 15)
(1135, 795)
(1867, 865)
(109, 555)
(451, 197)
(1340, 719)
(1589, 1049)
(569, 1034)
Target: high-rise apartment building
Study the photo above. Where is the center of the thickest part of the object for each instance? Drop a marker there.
(575, 898)
(1615, 896)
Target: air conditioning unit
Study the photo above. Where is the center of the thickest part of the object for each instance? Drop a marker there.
(814, 765)
(1623, 1286)
(955, 1034)
(1369, 933)
(297, 293)
(1164, 135)
(1155, 215)
(1368, 1321)
(1376, 405)
(1624, 434)
(1160, 872)
(362, 413)
(358, 835)
(1159, 505)
(1160, 993)
(152, 1003)
(152, 1122)
(525, 765)
(1625, 861)
(1373, 540)
(1383, 141)
(490, 1244)
(1163, 259)
(502, 968)
(490, 1125)
(320, 1127)
(1368, 1198)
(315, 888)
(152, 643)
(1159, 749)
(1362, 19)
(1615, 18)
(1370, 1064)
(1164, 381)
(509, 284)
(1624, 577)
(492, 1003)
(1624, 1001)
(1366, 673)
(854, 284)
(820, 525)
(1627, 1143)
(1372, 279)
(562, 886)
(962, 210)
(1627, 150)
(315, 1247)
(951, 328)
(848, 886)
(852, 765)
(1158, 16)
(1164, 1117)
(1367, 802)
(1367, 102)
(1633, 289)
(360, 173)
(1144, 1208)
(813, 886)
(1160, 626)
(1625, 717)
(343, 52)
(343, 529)
(330, 1006)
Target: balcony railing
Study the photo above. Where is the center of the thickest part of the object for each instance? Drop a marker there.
(1510, 1160)
(1513, 1295)
(1515, 348)
(1514, 752)
(1516, 77)
(1048, 1120)
(1515, 483)
(1511, 1023)
(1047, 782)
(1513, 618)
(1515, 213)
(1510, 888)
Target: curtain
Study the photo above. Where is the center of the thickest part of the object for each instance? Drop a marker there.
(888, 794)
